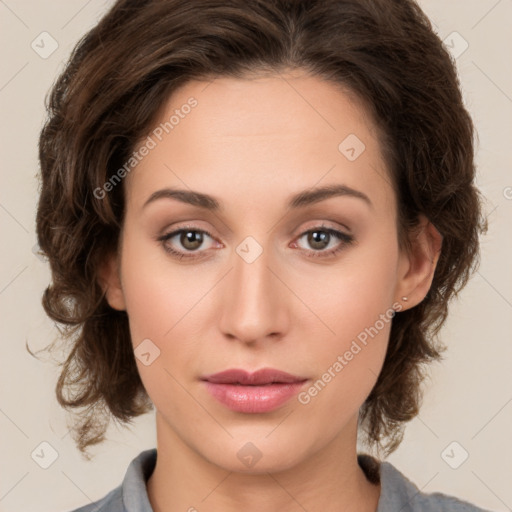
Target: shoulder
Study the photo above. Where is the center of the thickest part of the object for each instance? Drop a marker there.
(399, 493)
(132, 493)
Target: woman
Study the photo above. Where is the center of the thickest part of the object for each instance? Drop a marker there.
(256, 214)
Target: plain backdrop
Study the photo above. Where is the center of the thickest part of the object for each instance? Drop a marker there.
(467, 409)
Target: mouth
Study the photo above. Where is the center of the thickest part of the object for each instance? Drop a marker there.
(262, 391)
(261, 377)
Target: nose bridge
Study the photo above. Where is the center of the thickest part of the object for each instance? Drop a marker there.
(254, 307)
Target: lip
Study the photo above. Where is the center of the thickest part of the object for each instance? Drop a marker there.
(259, 377)
(258, 392)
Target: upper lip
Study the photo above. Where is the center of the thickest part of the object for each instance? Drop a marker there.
(263, 376)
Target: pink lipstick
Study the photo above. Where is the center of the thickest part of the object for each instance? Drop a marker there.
(258, 392)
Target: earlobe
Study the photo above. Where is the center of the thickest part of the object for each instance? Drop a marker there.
(422, 258)
(110, 281)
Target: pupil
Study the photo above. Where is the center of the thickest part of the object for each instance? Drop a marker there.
(191, 239)
(317, 239)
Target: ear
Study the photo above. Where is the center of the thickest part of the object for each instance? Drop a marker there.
(110, 281)
(417, 264)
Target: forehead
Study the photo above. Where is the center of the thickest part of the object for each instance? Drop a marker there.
(286, 131)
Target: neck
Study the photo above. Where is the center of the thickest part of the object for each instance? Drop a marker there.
(329, 479)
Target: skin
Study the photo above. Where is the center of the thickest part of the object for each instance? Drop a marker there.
(252, 143)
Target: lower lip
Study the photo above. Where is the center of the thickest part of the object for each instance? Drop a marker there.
(253, 399)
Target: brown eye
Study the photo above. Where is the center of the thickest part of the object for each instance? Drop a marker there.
(191, 240)
(186, 242)
(318, 239)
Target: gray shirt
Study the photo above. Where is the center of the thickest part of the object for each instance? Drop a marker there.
(398, 494)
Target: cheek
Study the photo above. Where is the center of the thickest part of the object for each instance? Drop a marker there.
(350, 296)
(160, 305)
(347, 361)
(156, 294)
(354, 302)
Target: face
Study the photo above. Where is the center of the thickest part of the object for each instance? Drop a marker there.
(274, 277)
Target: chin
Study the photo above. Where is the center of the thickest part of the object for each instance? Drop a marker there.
(254, 454)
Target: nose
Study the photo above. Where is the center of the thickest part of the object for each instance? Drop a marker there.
(256, 300)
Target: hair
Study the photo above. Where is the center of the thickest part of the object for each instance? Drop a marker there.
(117, 79)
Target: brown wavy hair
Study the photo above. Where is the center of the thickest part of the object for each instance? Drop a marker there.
(120, 74)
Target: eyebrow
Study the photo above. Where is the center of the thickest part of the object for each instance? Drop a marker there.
(300, 200)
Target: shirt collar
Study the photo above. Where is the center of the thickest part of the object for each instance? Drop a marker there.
(134, 491)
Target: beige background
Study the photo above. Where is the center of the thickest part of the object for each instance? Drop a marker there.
(469, 397)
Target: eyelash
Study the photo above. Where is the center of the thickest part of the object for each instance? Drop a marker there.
(343, 237)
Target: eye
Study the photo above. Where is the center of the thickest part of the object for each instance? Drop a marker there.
(320, 238)
(191, 239)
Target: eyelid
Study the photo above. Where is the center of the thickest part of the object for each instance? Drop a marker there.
(335, 225)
